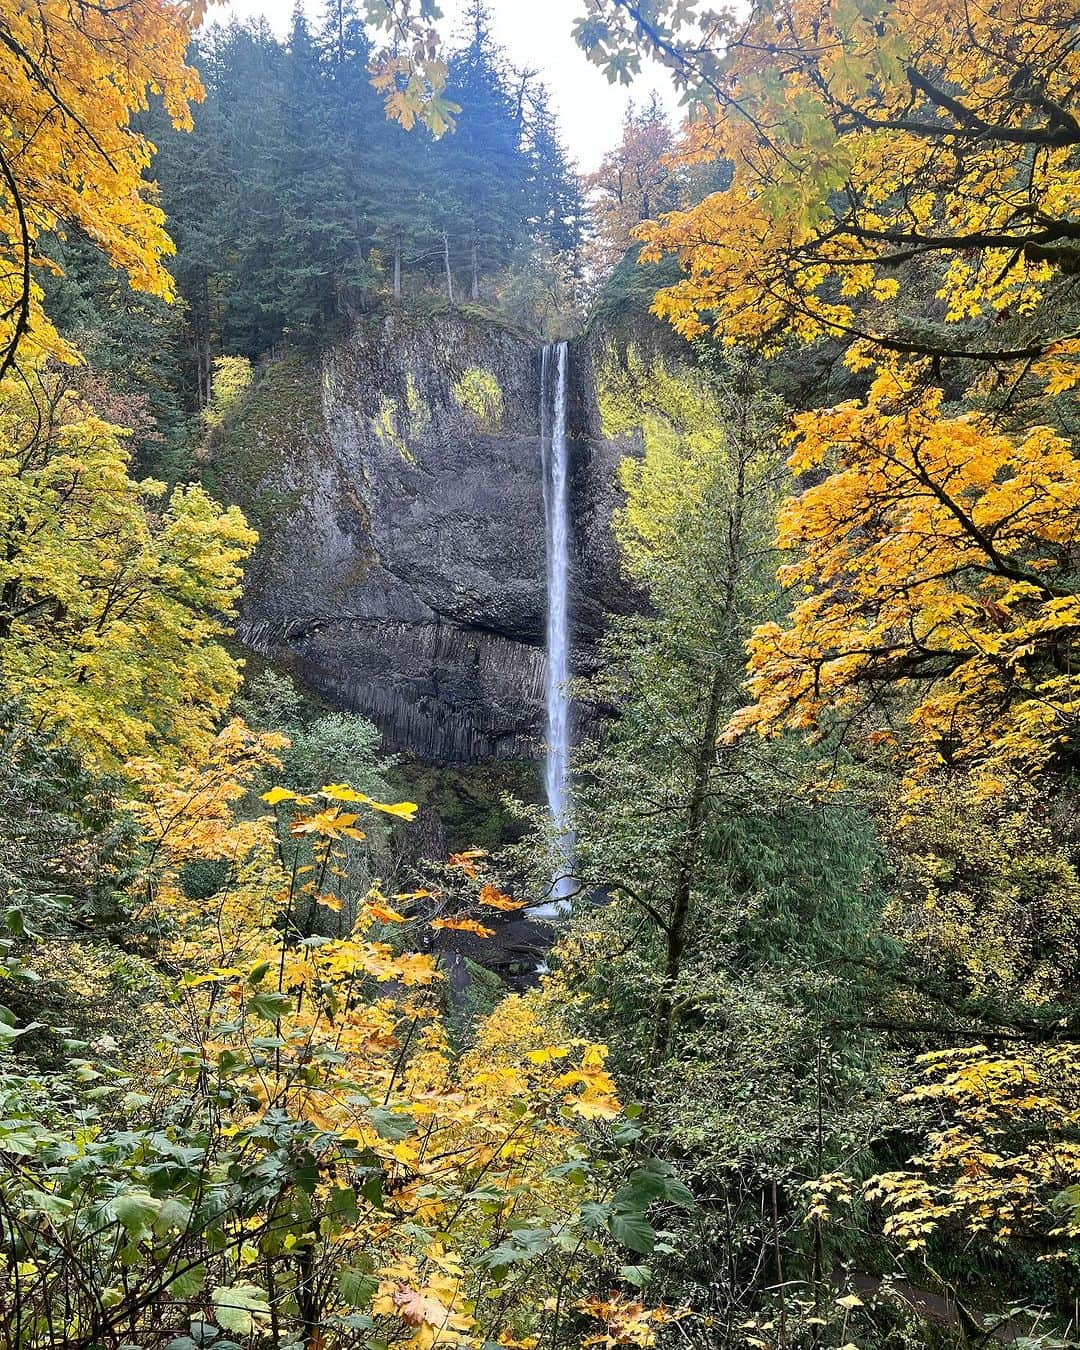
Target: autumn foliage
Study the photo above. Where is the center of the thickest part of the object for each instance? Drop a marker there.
(934, 564)
(864, 138)
(828, 921)
(72, 79)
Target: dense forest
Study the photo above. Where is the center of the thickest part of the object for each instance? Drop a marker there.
(797, 1064)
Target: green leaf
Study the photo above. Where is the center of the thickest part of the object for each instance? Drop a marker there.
(341, 1202)
(593, 1214)
(392, 1125)
(136, 1210)
(270, 1005)
(357, 1287)
(633, 1231)
(656, 1180)
(9, 1033)
(625, 1132)
(55, 1207)
(635, 1275)
(240, 1307)
(188, 1283)
(173, 1216)
(522, 1244)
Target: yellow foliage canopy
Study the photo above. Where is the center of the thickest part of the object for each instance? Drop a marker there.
(357, 1050)
(1002, 1163)
(935, 558)
(853, 154)
(71, 79)
(112, 595)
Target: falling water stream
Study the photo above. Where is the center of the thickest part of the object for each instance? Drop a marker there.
(553, 450)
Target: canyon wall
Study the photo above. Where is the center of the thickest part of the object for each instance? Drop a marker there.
(396, 484)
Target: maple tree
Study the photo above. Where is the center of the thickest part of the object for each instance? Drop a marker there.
(330, 1165)
(935, 560)
(633, 183)
(409, 70)
(113, 593)
(936, 556)
(999, 1161)
(301, 1152)
(863, 138)
(71, 82)
(904, 186)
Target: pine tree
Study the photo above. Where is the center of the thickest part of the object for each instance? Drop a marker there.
(556, 206)
(487, 167)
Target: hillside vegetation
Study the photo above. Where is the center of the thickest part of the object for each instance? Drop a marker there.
(802, 1067)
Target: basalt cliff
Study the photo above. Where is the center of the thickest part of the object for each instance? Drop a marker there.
(396, 483)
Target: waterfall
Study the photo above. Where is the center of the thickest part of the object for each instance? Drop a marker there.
(554, 466)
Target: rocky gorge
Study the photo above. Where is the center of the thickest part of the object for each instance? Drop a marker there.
(397, 485)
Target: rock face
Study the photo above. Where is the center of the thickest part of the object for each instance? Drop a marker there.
(397, 486)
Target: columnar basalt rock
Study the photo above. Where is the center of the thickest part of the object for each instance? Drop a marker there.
(402, 569)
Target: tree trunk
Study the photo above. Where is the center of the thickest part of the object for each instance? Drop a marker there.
(704, 758)
(449, 270)
(200, 338)
(397, 271)
(475, 272)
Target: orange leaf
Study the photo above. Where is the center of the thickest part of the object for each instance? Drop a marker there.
(464, 926)
(494, 899)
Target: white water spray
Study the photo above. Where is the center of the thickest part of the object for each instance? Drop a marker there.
(554, 456)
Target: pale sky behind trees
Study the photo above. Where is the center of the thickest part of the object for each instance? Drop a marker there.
(537, 35)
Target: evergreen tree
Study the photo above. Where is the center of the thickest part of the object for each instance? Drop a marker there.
(485, 162)
(556, 205)
(296, 204)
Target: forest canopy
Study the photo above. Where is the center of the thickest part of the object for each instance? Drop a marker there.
(797, 1065)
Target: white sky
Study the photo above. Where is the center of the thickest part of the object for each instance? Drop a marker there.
(537, 35)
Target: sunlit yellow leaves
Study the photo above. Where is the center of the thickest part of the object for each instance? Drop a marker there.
(433, 1308)
(856, 162)
(596, 1106)
(341, 792)
(548, 1055)
(466, 862)
(377, 908)
(508, 1339)
(280, 794)
(331, 824)
(997, 1159)
(1059, 369)
(935, 561)
(598, 1099)
(115, 597)
(409, 70)
(626, 1320)
(403, 810)
(70, 84)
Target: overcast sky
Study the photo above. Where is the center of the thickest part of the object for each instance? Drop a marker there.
(537, 34)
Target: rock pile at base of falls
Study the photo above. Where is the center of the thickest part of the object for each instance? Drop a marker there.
(396, 483)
